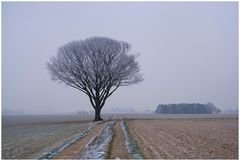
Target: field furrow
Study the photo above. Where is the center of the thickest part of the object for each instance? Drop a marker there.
(131, 146)
(186, 138)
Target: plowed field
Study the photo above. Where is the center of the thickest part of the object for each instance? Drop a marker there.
(122, 137)
(186, 138)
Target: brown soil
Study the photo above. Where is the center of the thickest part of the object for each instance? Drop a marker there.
(117, 147)
(186, 138)
(73, 150)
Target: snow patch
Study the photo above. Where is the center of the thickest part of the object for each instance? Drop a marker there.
(50, 154)
(98, 146)
(130, 144)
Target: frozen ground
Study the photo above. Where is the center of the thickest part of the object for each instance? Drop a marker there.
(56, 150)
(98, 146)
(31, 135)
(125, 136)
(19, 120)
(28, 141)
(130, 143)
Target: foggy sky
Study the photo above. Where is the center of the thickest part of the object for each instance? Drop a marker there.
(188, 52)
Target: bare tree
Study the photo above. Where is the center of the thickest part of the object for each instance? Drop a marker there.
(96, 66)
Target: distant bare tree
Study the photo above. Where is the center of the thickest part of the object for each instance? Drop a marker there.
(96, 66)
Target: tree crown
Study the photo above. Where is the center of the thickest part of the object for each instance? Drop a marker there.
(96, 66)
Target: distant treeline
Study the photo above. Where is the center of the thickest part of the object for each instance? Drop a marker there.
(184, 108)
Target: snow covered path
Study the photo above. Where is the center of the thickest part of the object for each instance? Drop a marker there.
(98, 146)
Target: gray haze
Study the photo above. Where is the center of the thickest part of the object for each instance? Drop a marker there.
(189, 52)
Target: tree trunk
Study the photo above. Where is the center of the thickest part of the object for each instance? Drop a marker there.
(98, 115)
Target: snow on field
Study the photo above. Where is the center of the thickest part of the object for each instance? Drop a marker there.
(65, 144)
(131, 146)
(98, 146)
(28, 141)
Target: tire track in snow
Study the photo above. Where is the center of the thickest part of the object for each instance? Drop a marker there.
(53, 152)
(98, 146)
(74, 150)
(117, 146)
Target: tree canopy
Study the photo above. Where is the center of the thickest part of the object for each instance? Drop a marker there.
(96, 66)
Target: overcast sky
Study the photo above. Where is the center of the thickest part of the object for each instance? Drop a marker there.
(188, 52)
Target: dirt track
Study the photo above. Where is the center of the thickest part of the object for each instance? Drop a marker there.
(116, 150)
(117, 147)
(73, 151)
